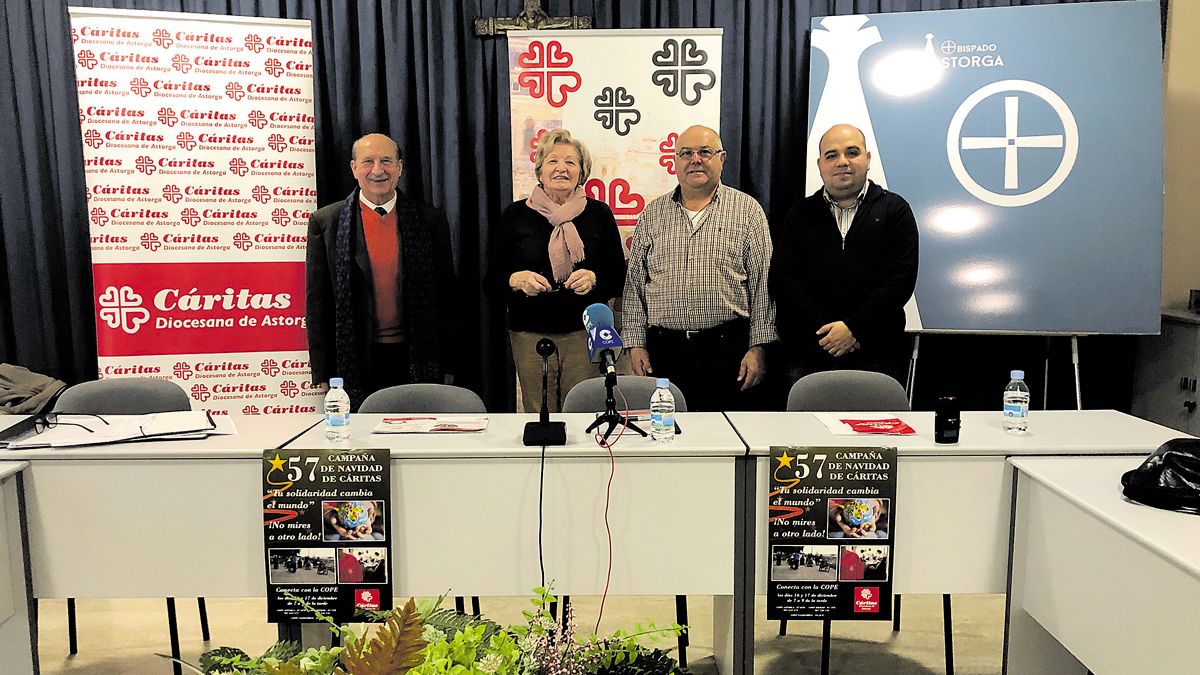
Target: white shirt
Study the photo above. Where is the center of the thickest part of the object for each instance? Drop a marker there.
(387, 206)
(845, 216)
(697, 217)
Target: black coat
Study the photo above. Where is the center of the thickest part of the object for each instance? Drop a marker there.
(319, 294)
(865, 282)
(520, 243)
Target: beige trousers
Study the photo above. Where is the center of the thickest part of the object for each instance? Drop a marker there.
(567, 367)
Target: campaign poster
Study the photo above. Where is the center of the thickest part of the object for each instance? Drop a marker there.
(327, 533)
(831, 516)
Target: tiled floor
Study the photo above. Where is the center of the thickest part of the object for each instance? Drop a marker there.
(120, 637)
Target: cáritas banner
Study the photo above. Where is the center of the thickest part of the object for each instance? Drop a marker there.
(198, 143)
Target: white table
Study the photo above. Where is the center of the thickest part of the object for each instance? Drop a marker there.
(1099, 582)
(181, 518)
(465, 509)
(930, 476)
(152, 519)
(15, 636)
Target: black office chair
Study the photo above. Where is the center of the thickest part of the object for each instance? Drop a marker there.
(129, 396)
(427, 398)
(590, 396)
(858, 391)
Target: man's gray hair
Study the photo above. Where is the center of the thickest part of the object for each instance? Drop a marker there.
(354, 147)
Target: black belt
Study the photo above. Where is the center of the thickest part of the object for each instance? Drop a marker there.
(738, 329)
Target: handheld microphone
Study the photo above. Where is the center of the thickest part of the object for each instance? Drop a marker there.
(604, 344)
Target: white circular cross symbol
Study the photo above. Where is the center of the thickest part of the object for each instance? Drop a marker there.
(1011, 141)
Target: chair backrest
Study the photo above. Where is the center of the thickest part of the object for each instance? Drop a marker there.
(847, 390)
(123, 396)
(423, 398)
(588, 396)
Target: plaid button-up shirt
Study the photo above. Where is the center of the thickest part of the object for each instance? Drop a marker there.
(686, 276)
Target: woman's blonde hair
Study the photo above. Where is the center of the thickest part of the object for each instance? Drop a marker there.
(562, 137)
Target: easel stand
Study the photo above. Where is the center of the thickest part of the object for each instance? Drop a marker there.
(910, 384)
(912, 371)
(1075, 363)
(1075, 370)
(611, 415)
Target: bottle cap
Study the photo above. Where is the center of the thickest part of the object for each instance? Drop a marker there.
(1017, 374)
(335, 382)
(662, 383)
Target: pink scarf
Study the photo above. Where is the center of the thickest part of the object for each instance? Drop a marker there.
(566, 248)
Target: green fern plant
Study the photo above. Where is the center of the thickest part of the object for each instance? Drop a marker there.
(452, 623)
(426, 639)
(394, 650)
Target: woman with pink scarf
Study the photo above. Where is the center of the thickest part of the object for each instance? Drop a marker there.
(554, 254)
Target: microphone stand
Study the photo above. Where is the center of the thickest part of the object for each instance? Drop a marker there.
(544, 415)
(610, 415)
(544, 432)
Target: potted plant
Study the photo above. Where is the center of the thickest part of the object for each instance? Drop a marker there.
(428, 639)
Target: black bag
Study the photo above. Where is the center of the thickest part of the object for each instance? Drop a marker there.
(1168, 479)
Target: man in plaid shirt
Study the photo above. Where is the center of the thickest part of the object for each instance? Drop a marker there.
(696, 307)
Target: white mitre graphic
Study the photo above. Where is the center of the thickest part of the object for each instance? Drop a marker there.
(842, 101)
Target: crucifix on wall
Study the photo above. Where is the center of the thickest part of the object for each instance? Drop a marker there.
(532, 17)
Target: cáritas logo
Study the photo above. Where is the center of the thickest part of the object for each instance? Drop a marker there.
(121, 307)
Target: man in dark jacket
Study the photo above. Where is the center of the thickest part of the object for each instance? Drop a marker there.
(843, 267)
(380, 284)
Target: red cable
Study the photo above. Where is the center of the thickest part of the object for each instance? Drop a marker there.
(608, 530)
(612, 459)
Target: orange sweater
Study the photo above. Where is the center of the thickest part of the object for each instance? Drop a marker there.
(383, 249)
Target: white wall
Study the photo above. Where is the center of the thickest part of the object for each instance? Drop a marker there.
(1181, 108)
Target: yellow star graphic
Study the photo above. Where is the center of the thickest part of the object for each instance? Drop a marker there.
(785, 460)
(277, 463)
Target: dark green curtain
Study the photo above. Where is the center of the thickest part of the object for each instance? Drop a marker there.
(416, 71)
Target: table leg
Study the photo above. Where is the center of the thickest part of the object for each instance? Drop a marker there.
(1028, 647)
(744, 571)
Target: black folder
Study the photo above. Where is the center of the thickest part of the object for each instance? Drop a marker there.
(26, 424)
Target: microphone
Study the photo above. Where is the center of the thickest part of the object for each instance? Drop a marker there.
(604, 344)
(543, 431)
(545, 349)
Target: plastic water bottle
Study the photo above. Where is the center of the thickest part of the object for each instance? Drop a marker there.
(337, 411)
(662, 412)
(1016, 404)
